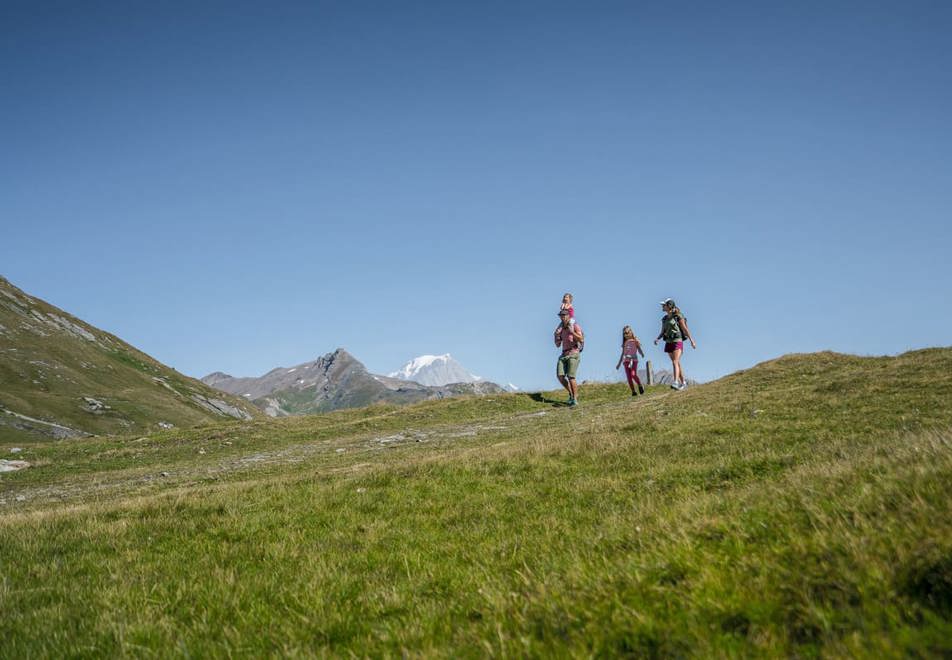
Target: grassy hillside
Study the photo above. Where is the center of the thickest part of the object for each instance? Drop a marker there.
(61, 377)
(799, 508)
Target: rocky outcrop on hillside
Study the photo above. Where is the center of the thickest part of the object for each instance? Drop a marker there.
(334, 381)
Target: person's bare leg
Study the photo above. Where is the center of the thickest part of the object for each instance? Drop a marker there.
(565, 384)
(674, 366)
(676, 360)
(573, 388)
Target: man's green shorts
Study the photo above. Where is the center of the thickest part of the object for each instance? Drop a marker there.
(567, 366)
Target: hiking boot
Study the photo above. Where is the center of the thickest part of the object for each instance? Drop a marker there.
(634, 393)
(573, 403)
(674, 386)
(641, 389)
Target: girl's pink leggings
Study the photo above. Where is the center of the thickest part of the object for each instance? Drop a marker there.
(631, 372)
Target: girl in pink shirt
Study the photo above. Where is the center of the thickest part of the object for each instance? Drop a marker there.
(568, 306)
(630, 348)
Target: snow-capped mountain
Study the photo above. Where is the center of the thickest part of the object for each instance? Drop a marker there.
(435, 370)
(336, 380)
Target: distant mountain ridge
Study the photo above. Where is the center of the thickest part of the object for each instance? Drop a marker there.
(435, 370)
(62, 377)
(334, 381)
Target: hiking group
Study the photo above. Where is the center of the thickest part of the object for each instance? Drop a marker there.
(571, 340)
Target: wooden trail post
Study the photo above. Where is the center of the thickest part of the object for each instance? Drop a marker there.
(649, 375)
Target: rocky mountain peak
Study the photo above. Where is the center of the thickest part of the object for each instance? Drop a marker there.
(332, 381)
(216, 376)
(339, 355)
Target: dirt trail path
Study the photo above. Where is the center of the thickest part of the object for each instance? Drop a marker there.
(50, 428)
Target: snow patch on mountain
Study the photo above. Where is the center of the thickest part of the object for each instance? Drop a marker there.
(417, 364)
(435, 370)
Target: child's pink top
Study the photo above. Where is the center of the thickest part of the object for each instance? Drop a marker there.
(570, 310)
(630, 350)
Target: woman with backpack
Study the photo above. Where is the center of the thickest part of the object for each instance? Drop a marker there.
(674, 330)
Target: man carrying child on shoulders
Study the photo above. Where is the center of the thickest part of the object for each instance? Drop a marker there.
(569, 336)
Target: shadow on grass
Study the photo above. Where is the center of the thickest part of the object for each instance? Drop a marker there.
(539, 397)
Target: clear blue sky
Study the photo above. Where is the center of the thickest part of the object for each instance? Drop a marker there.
(235, 186)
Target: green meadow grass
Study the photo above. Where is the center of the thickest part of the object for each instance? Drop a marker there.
(800, 508)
